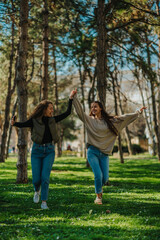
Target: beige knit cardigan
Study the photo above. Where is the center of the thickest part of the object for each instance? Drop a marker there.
(98, 133)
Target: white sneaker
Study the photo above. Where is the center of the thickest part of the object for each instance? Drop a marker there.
(98, 200)
(36, 197)
(44, 205)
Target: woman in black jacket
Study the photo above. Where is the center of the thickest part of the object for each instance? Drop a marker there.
(44, 135)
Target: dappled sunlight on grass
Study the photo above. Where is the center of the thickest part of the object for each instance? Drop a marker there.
(133, 198)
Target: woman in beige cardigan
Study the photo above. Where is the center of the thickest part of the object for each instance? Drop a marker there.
(102, 131)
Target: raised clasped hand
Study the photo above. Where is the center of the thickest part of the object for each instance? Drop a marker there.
(13, 120)
(73, 93)
(143, 108)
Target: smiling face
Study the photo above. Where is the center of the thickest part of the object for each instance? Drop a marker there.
(49, 111)
(96, 110)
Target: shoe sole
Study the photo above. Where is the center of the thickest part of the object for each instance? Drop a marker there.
(35, 201)
(98, 203)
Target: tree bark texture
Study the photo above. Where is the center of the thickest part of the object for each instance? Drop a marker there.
(10, 127)
(151, 135)
(154, 107)
(101, 52)
(126, 130)
(45, 52)
(22, 93)
(91, 94)
(158, 102)
(59, 143)
(82, 80)
(10, 92)
(116, 112)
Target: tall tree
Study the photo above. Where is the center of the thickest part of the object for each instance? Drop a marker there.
(136, 73)
(45, 51)
(101, 51)
(10, 128)
(10, 90)
(82, 75)
(116, 112)
(22, 92)
(56, 108)
(152, 79)
(158, 97)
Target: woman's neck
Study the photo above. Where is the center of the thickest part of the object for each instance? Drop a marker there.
(99, 116)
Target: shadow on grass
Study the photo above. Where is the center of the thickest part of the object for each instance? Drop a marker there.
(66, 230)
(69, 200)
(68, 216)
(132, 196)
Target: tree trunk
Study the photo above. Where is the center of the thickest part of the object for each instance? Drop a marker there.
(40, 76)
(128, 138)
(5, 129)
(61, 140)
(21, 77)
(82, 80)
(101, 52)
(10, 127)
(156, 128)
(116, 112)
(151, 135)
(126, 130)
(155, 120)
(45, 52)
(158, 102)
(8, 98)
(120, 148)
(59, 143)
(91, 94)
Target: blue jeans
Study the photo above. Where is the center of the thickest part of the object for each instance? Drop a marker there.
(99, 163)
(42, 158)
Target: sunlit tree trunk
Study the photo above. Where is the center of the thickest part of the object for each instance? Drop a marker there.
(21, 77)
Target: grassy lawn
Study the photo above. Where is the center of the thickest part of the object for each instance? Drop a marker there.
(133, 199)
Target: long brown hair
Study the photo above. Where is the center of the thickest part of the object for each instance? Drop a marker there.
(107, 118)
(39, 110)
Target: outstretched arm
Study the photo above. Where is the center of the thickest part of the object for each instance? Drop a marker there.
(129, 118)
(28, 123)
(79, 110)
(68, 111)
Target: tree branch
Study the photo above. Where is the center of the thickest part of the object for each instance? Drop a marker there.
(141, 9)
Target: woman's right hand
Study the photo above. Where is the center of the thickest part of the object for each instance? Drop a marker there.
(13, 120)
(143, 108)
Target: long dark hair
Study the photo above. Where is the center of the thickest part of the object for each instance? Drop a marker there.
(39, 110)
(107, 118)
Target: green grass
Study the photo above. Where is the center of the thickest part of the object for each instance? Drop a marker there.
(133, 199)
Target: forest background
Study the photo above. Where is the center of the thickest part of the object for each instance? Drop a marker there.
(48, 47)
